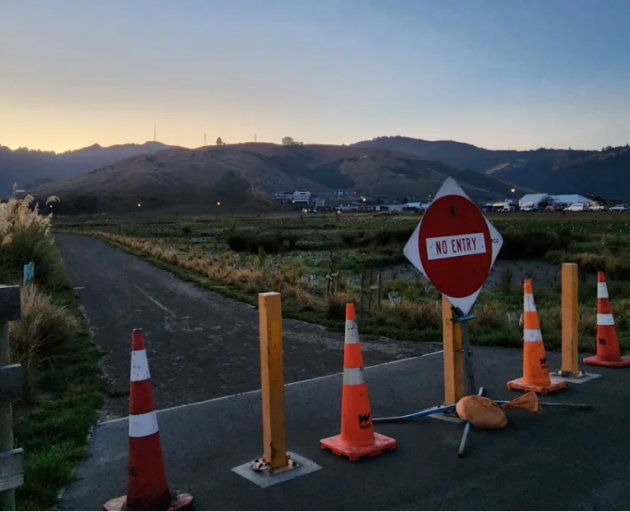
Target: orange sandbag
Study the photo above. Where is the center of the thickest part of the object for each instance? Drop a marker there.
(481, 412)
(527, 402)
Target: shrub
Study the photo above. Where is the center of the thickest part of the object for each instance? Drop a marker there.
(336, 306)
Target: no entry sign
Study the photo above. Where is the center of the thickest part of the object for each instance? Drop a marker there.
(454, 246)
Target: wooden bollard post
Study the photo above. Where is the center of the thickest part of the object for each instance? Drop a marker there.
(11, 460)
(274, 422)
(453, 355)
(570, 319)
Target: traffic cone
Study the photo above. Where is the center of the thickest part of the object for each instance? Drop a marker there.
(535, 367)
(147, 488)
(357, 438)
(608, 353)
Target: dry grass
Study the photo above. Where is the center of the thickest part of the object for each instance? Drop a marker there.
(423, 315)
(491, 314)
(42, 328)
(550, 319)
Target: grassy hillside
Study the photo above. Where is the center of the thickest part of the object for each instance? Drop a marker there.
(244, 176)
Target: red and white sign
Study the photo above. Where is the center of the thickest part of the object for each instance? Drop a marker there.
(454, 246)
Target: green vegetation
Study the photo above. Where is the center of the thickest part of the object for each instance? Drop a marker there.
(62, 384)
(242, 256)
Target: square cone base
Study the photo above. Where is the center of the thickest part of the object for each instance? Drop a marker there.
(597, 361)
(556, 385)
(354, 452)
(179, 501)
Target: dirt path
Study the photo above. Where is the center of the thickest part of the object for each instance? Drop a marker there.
(201, 345)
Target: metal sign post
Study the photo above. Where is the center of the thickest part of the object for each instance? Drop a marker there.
(469, 382)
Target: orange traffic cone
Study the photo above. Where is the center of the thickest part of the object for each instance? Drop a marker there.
(357, 438)
(608, 353)
(147, 488)
(535, 368)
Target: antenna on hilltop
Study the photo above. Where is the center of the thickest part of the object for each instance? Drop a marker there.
(204, 139)
(154, 133)
(255, 138)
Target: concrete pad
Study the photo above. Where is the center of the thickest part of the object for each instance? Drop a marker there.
(561, 459)
(262, 479)
(578, 380)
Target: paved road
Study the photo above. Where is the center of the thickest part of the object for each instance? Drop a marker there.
(558, 460)
(201, 345)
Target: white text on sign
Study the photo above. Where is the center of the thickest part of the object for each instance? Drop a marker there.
(457, 245)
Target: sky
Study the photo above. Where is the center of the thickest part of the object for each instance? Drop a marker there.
(495, 73)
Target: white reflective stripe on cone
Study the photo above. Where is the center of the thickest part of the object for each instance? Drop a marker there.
(139, 366)
(530, 304)
(143, 425)
(605, 319)
(602, 291)
(352, 332)
(532, 335)
(353, 376)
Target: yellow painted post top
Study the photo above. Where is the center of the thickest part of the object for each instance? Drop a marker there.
(272, 380)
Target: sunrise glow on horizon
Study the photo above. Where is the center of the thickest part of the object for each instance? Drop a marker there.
(495, 74)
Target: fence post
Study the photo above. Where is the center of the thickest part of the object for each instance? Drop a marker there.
(453, 356)
(11, 471)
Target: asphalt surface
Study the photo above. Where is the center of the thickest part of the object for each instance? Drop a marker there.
(200, 345)
(557, 460)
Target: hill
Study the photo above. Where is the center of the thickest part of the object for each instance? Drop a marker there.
(244, 175)
(29, 168)
(604, 173)
(556, 171)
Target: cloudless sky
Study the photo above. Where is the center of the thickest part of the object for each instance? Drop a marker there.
(495, 73)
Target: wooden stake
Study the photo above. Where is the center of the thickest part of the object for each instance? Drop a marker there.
(362, 285)
(570, 318)
(453, 356)
(274, 422)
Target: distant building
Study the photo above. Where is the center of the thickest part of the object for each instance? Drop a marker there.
(301, 197)
(341, 192)
(296, 197)
(533, 200)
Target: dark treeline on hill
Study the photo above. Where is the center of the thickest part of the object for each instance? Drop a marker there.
(604, 172)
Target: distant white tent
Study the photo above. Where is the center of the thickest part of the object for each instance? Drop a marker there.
(570, 199)
(532, 200)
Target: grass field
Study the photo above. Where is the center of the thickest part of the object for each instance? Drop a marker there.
(241, 256)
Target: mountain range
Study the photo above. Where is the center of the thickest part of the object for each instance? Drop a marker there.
(29, 168)
(245, 175)
(603, 173)
(395, 166)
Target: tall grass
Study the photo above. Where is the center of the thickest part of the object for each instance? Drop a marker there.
(24, 238)
(42, 328)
